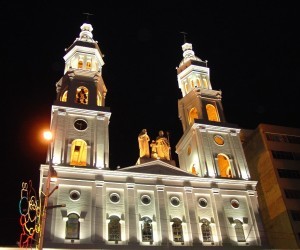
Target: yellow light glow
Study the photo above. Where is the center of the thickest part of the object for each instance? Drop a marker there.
(48, 135)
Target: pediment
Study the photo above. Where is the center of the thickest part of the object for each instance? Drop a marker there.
(156, 167)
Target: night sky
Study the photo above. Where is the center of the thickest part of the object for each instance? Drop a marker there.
(252, 49)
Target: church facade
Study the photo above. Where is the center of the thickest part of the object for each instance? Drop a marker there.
(209, 200)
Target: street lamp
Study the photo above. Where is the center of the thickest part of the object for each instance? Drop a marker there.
(51, 176)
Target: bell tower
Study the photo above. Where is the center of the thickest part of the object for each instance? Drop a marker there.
(79, 118)
(209, 147)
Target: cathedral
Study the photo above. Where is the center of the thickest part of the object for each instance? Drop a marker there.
(209, 200)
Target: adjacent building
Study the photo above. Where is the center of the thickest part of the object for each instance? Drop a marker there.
(273, 154)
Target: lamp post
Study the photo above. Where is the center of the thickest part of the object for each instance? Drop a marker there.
(48, 137)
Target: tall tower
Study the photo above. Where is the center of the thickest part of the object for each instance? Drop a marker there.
(209, 147)
(80, 119)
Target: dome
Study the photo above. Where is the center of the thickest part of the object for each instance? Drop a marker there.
(188, 54)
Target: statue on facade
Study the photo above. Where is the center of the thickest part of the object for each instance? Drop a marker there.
(160, 148)
(143, 140)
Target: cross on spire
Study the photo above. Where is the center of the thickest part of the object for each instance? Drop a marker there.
(184, 36)
(87, 16)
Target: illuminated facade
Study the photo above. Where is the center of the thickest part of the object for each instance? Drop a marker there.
(209, 200)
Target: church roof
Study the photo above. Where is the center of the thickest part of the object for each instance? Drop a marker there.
(156, 167)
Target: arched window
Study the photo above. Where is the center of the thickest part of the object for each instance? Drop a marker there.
(224, 166)
(99, 99)
(193, 114)
(177, 230)
(239, 230)
(146, 228)
(80, 63)
(212, 113)
(187, 87)
(193, 171)
(88, 64)
(206, 231)
(114, 229)
(198, 82)
(72, 226)
(78, 153)
(82, 95)
(65, 96)
(205, 85)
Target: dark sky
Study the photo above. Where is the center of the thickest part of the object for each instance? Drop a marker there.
(252, 49)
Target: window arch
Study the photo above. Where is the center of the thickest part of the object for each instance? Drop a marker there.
(239, 230)
(198, 82)
(64, 96)
(206, 231)
(224, 166)
(205, 85)
(99, 99)
(114, 228)
(212, 113)
(72, 226)
(146, 229)
(193, 114)
(88, 64)
(80, 63)
(78, 153)
(82, 94)
(177, 230)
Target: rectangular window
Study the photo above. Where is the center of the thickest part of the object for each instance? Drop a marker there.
(287, 173)
(282, 155)
(283, 138)
(295, 215)
(292, 193)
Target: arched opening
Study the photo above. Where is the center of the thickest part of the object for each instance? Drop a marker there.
(78, 153)
(212, 113)
(72, 226)
(206, 231)
(82, 94)
(99, 99)
(193, 114)
(177, 230)
(224, 166)
(64, 96)
(80, 63)
(146, 229)
(239, 230)
(114, 228)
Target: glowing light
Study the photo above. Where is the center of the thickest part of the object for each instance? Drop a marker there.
(48, 135)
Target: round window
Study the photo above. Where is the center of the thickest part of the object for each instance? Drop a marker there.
(175, 201)
(114, 197)
(235, 203)
(146, 199)
(74, 195)
(202, 202)
(219, 140)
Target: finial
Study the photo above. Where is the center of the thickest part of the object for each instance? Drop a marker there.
(87, 16)
(184, 36)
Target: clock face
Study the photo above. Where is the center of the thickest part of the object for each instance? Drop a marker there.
(80, 124)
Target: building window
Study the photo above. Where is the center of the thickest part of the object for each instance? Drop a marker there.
(239, 231)
(283, 138)
(212, 113)
(114, 229)
(74, 195)
(82, 95)
(114, 197)
(284, 155)
(288, 173)
(193, 114)
(292, 193)
(147, 232)
(72, 226)
(88, 65)
(235, 203)
(78, 153)
(224, 166)
(80, 64)
(175, 201)
(177, 230)
(145, 199)
(206, 231)
(295, 215)
(202, 202)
